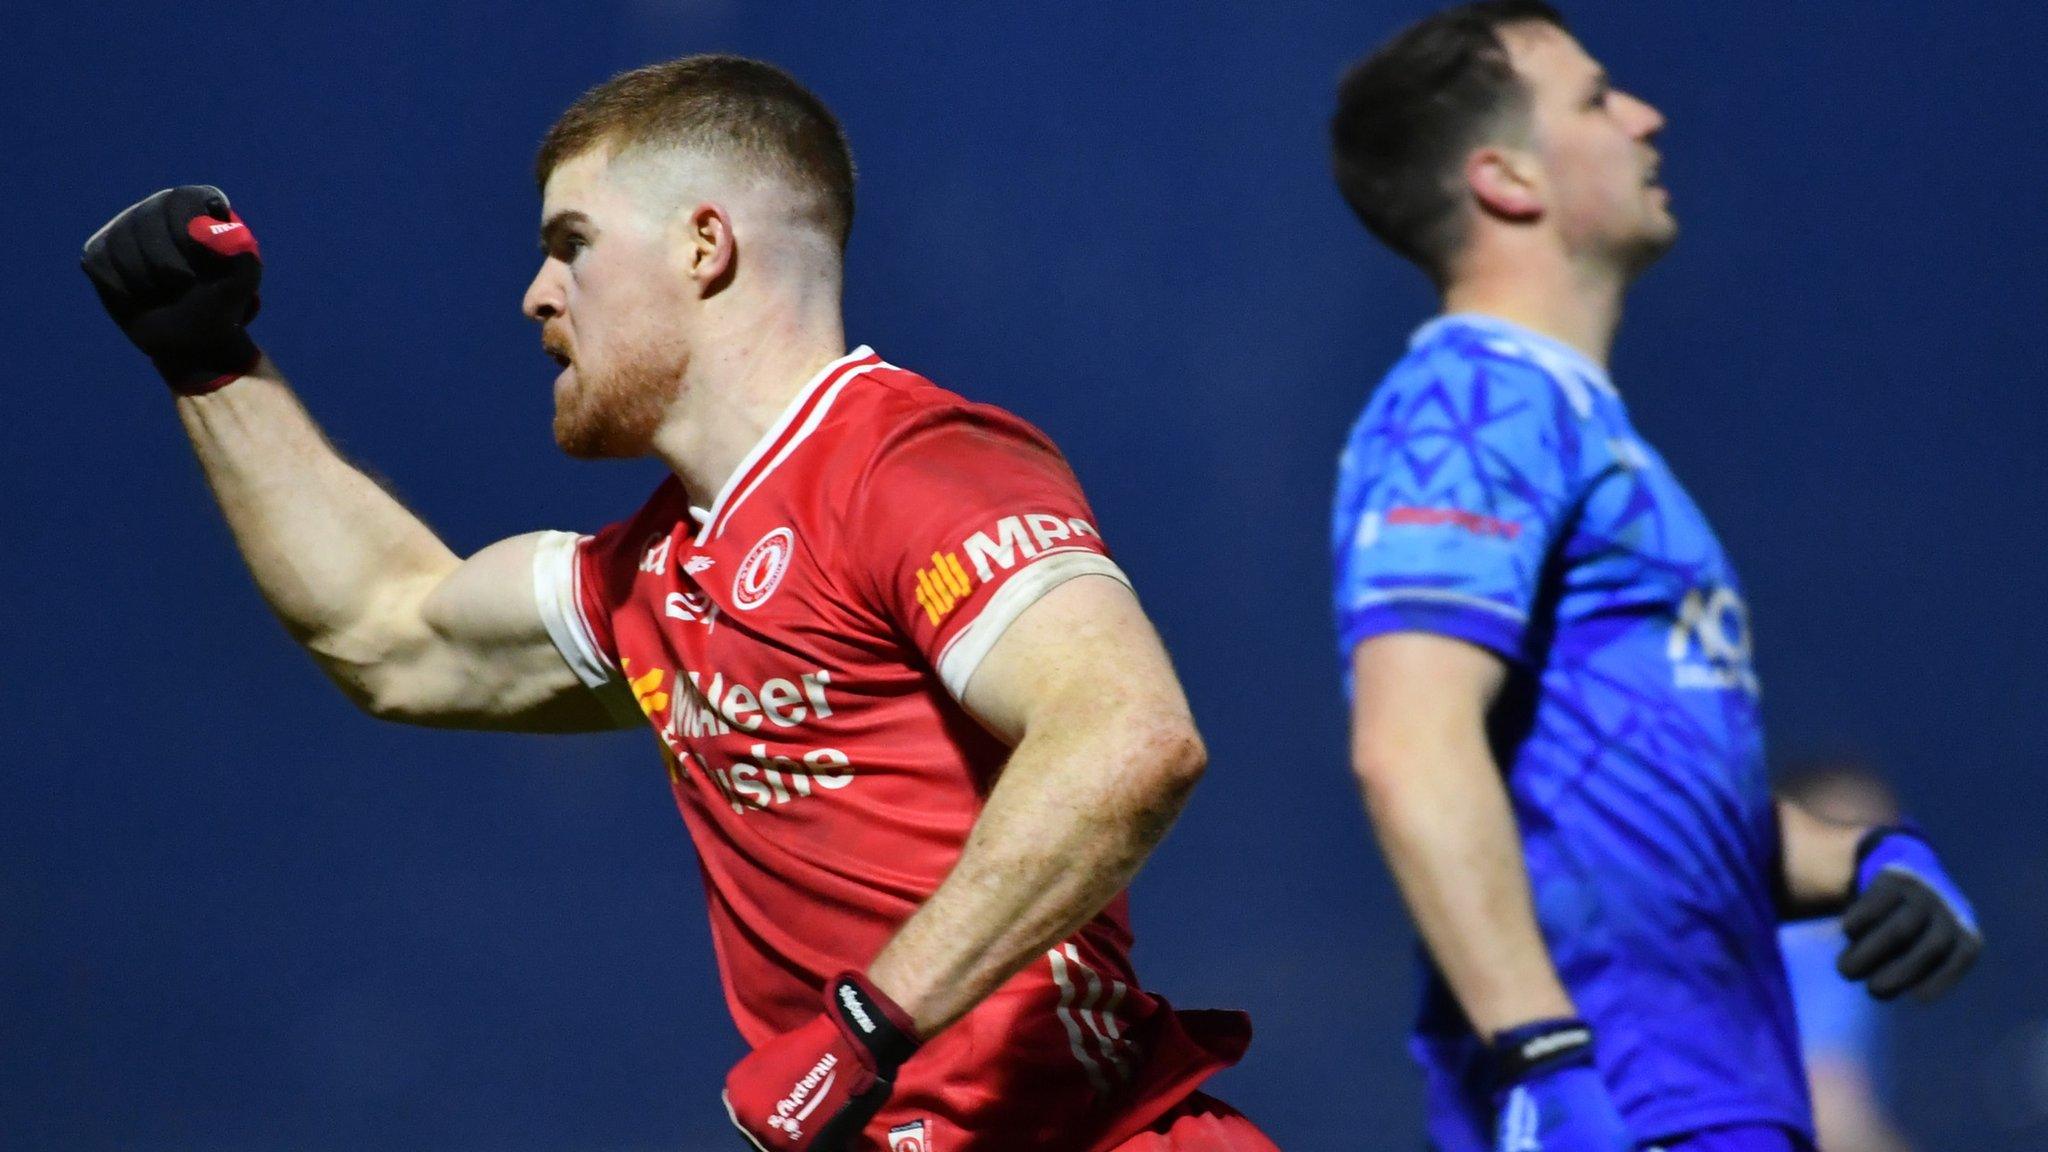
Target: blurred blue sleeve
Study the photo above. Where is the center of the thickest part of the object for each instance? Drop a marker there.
(1836, 1016)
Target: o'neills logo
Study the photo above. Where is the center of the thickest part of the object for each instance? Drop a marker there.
(1556, 1042)
(804, 1097)
(761, 572)
(850, 1000)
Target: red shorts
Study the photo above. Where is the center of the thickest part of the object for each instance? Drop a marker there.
(1200, 1124)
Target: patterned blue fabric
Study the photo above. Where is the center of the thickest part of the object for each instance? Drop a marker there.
(1495, 491)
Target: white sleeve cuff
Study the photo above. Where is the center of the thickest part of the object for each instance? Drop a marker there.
(969, 646)
(557, 591)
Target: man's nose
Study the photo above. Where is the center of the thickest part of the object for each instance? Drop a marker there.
(1649, 121)
(544, 296)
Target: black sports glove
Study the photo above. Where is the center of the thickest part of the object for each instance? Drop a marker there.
(179, 272)
(1909, 927)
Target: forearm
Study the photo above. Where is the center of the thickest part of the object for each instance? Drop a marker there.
(1817, 861)
(1066, 828)
(1450, 839)
(330, 550)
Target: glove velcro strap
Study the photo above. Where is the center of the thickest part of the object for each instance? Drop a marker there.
(1541, 1046)
(197, 375)
(1871, 839)
(1874, 840)
(872, 1021)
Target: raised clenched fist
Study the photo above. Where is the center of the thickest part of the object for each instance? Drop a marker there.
(179, 273)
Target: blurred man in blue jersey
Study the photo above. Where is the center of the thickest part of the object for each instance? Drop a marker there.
(1843, 1033)
(1555, 717)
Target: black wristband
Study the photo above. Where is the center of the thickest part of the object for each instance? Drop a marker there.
(872, 1020)
(1541, 1046)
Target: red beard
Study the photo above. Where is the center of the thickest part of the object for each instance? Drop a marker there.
(615, 415)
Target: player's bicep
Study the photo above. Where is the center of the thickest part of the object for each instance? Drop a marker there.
(487, 604)
(1419, 699)
(486, 656)
(1081, 656)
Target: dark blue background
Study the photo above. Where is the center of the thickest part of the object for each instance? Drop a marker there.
(238, 915)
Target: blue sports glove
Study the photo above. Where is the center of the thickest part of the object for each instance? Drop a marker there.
(1548, 1097)
(1909, 927)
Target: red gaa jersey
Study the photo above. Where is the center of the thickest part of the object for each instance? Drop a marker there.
(801, 649)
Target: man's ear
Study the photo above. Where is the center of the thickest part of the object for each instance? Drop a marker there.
(709, 251)
(1505, 182)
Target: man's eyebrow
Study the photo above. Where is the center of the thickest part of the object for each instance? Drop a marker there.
(1601, 82)
(552, 228)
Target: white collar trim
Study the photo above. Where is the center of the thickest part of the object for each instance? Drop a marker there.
(731, 495)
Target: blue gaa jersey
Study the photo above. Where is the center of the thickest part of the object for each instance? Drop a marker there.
(1494, 491)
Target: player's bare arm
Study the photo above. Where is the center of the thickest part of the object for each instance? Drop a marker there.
(1105, 753)
(1818, 859)
(1441, 812)
(407, 629)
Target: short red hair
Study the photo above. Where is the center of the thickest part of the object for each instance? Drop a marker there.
(729, 104)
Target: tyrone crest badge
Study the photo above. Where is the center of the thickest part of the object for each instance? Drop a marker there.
(762, 571)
